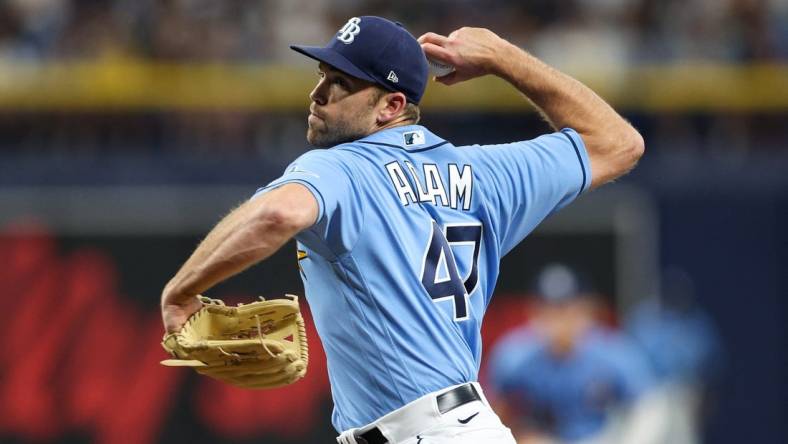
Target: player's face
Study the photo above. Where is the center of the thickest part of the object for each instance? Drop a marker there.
(564, 324)
(342, 110)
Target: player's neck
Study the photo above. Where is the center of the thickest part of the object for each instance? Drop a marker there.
(400, 121)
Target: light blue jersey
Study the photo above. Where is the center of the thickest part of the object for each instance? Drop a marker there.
(403, 259)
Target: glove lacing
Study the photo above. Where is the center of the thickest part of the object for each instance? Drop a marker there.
(262, 336)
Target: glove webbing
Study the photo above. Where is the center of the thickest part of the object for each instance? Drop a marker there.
(260, 334)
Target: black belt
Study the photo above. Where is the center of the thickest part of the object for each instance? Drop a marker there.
(447, 401)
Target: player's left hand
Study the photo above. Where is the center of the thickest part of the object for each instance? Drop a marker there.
(258, 345)
(473, 52)
(175, 315)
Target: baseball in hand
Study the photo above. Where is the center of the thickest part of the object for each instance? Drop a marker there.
(438, 69)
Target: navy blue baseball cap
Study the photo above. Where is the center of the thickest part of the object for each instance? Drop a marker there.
(376, 50)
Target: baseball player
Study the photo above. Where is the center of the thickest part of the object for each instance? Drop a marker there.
(566, 378)
(400, 233)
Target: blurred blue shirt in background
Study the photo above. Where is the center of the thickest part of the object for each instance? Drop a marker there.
(569, 396)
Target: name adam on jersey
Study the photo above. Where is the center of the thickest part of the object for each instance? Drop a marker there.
(430, 186)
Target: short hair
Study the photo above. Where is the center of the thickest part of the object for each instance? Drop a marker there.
(412, 112)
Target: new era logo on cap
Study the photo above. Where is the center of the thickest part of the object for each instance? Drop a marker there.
(376, 50)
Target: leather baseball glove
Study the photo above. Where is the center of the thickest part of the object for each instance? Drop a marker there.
(257, 345)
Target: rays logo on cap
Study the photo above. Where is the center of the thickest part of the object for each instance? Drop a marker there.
(349, 32)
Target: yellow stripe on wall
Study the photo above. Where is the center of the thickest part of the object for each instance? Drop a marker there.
(118, 84)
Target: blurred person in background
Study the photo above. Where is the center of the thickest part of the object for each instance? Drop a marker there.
(30, 29)
(600, 39)
(684, 350)
(564, 377)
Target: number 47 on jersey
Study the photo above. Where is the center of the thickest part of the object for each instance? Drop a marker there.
(439, 256)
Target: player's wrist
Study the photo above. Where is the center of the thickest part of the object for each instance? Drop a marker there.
(172, 296)
(504, 59)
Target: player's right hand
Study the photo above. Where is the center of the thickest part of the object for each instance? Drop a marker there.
(473, 52)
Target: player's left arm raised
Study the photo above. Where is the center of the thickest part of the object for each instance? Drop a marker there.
(250, 233)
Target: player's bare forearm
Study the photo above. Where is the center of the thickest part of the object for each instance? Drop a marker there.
(613, 145)
(240, 240)
(249, 234)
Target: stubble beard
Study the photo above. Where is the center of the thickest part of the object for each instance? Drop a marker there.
(326, 135)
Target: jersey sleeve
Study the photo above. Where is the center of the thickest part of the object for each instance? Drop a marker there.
(327, 175)
(530, 180)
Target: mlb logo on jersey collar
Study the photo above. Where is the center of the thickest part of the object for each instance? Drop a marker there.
(413, 138)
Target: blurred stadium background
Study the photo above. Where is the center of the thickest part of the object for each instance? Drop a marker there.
(129, 127)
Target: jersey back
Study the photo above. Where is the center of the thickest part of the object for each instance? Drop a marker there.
(402, 262)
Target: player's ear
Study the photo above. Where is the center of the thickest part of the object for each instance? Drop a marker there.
(391, 106)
